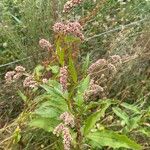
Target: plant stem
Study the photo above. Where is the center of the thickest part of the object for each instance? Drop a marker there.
(79, 135)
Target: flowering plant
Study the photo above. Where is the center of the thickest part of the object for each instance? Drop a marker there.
(70, 104)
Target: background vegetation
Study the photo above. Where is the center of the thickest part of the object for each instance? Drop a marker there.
(115, 27)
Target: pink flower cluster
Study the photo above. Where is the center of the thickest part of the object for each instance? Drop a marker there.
(69, 28)
(61, 129)
(68, 119)
(45, 44)
(30, 82)
(99, 64)
(63, 77)
(93, 91)
(70, 4)
(11, 76)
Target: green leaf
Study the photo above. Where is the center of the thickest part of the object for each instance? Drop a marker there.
(133, 122)
(47, 112)
(16, 135)
(16, 19)
(121, 114)
(24, 98)
(60, 52)
(56, 103)
(79, 100)
(113, 140)
(92, 119)
(44, 123)
(86, 63)
(84, 85)
(145, 131)
(53, 91)
(55, 69)
(72, 70)
(38, 71)
(131, 107)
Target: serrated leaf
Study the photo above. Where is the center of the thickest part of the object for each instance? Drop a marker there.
(113, 140)
(92, 119)
(121, 114)
(53, 91)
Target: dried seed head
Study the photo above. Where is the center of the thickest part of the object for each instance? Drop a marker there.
(112, 68)
(115, 59)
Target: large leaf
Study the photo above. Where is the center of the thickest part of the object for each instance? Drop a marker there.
(53, 91)
(79, 98)
(92, 119)
(44, 123)
(121, 114)
(56, 103)
(47, 112)
(113, 140)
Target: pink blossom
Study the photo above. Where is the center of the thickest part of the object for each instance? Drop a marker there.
(63, 78)
(68, 119)
(61, 129)
(69, 28)
(45, 44)
(30, 82)
(9, 76)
